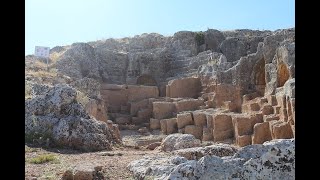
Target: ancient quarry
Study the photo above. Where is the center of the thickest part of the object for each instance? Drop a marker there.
(194, 105)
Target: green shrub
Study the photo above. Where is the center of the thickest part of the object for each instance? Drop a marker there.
(199, 38)
(44, 158)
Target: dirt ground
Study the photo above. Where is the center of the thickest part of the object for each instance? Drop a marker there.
(114, 163)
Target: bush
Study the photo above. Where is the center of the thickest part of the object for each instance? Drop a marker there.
(44, 158)
(199, 38)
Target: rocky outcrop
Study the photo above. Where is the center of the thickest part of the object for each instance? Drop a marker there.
(196, 153)
(59, 116)
(79, 61)
(95, 105)
(154, 166)
(272, 160)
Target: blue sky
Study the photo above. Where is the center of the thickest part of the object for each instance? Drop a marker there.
(63, 22)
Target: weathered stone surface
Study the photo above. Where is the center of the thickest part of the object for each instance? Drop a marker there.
(194, 130)
(221, 135)
(186, 87)
(235, 47)
(207, 134)
(96, 109)
(198, 152)
(136, 106)
(179, 141)
(243, 125)
(189, 104)
(199, 118)
(222, 122)
(272, 160)
(154, 166)
(137, 93)
(154, 123)
(163, 126)
(60, 117)
(267, 109)
(184, 120)
(163, 110)
(154, 145)
(172, 125)
(261, 133)
(280, 130)
(87, 172)
(243, 140)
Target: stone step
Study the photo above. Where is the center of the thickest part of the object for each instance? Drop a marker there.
(271, 117)
(267, 109)
(250, 107)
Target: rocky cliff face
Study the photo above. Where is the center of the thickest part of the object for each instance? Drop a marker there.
(158, 58)
(242, 71)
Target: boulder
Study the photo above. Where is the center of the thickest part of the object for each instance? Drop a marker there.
(60, 117)
(179, 141)
(272, 160)
(196, 153)
(161, 166)
(84, 172)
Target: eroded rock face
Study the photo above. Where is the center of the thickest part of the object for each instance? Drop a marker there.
(59, 116)
(272, 160)
(79, 61)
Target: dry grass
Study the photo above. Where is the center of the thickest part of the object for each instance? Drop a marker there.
(44, 158)
(42, 73)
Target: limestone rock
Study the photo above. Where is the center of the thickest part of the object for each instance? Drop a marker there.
(272, 160)
(154, 166)
(179, 141)
(81, 57)
(84, 172)
(59, 116)
(198, 152)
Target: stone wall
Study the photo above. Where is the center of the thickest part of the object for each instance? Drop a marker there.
(185, 87)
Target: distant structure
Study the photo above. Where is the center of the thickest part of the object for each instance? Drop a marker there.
(41, 51)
